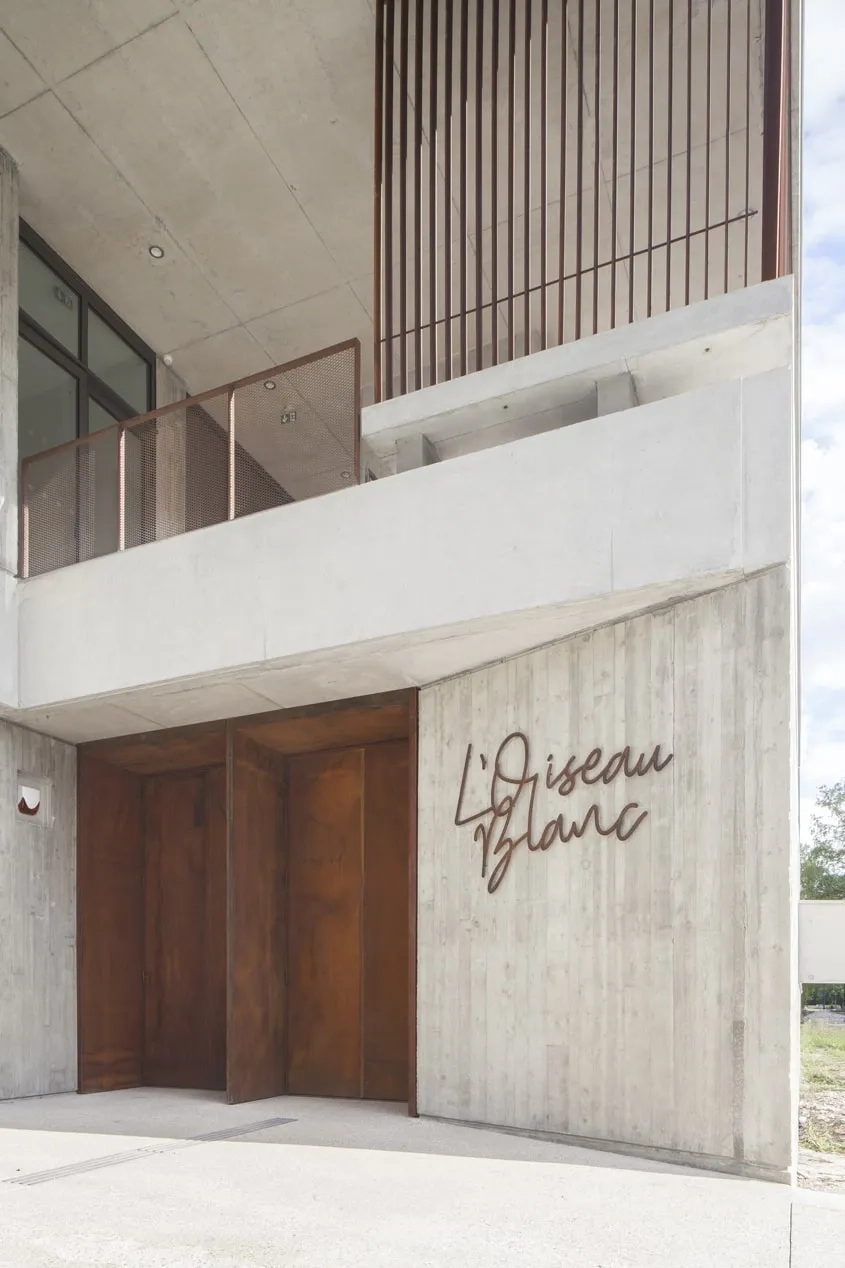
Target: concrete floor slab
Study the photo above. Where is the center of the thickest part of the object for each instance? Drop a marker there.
(161, 1113)
(818, 1231)
(352, 1183)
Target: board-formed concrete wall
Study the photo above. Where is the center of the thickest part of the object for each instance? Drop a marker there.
(636, 987)
(37, 917)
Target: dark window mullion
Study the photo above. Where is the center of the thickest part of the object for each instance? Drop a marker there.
(109, 399)
(86, 294)
(40, 339)
(83, 405)
(89, 384)
(87, 299)
(83, 330)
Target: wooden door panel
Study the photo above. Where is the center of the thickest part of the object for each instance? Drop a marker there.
(215, 925)
(256, 1021)
(110, 924)
(325, 842)
(184, 1003)
(385, 924)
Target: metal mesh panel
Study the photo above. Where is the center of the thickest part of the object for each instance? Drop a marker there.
(207, 463)
(140, 459)
(72, 499)
(297, 433)
(176, 472)
(295, 436)
(51, 493)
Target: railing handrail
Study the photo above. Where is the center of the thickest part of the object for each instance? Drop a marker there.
(227, 392)
(175, 406)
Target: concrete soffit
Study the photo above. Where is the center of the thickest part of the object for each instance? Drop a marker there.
(372, 668)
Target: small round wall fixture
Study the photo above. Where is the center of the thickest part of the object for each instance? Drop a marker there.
(346, 475)
(156, 251)
(270, 385)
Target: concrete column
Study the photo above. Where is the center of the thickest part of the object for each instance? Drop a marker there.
(170, 455)
(8, 429)
(615, 394)
(8, 364)
(415, 451)
(37, 915)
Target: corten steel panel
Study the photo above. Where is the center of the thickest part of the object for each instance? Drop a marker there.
(413, 871)
(185, 1003)
(110, 926)
(325, 841)
(324, 727)
(548, 161)
(214, 978)
(256, 928)
(155, 752)
(385, 952)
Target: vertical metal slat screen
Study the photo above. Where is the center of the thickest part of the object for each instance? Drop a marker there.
(548, 169)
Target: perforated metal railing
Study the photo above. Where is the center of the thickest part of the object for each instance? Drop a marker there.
(286, 434)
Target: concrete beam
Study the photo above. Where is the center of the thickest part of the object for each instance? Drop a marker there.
(8, 431)
(415, 451)
(615, 394)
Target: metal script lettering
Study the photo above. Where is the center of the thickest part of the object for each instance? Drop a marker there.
(509, 781)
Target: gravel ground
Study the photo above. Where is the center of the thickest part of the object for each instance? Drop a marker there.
(823, 1172)
(821, 1117)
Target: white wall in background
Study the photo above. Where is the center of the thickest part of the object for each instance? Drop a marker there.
(821, 941)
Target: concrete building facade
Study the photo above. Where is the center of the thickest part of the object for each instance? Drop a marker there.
(398, 636)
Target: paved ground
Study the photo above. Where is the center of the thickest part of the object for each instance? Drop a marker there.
(120, 1180)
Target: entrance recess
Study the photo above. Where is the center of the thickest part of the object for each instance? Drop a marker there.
(243, 905)
(347, 923)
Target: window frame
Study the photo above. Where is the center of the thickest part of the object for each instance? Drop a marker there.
(90, 385)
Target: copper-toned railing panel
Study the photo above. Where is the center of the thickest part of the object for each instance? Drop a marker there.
(588, 163)
(286, 434)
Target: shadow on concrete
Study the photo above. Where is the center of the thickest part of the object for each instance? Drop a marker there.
(197, 1117)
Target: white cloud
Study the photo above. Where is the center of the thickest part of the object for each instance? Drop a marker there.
(823, 403)
(824, 39)
(824, 122)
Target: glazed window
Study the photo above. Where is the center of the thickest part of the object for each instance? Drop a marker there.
(80, 367)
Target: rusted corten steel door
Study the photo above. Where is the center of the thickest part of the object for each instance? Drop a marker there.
(244, 907)
(348, 923)
(185, 901)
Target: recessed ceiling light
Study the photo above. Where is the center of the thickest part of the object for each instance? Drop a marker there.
(157, 252)
(270, 385)
(346, 475)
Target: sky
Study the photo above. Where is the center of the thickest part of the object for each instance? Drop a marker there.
(823, 403)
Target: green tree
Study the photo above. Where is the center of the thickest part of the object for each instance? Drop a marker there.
(823, 861)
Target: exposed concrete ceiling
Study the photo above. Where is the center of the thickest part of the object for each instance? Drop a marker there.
(237, 134)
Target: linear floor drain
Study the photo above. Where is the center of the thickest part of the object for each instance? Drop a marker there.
(229, 1133)
(146, 1151)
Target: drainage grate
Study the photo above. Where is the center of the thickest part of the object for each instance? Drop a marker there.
(145, 1151)
(228, 1133)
